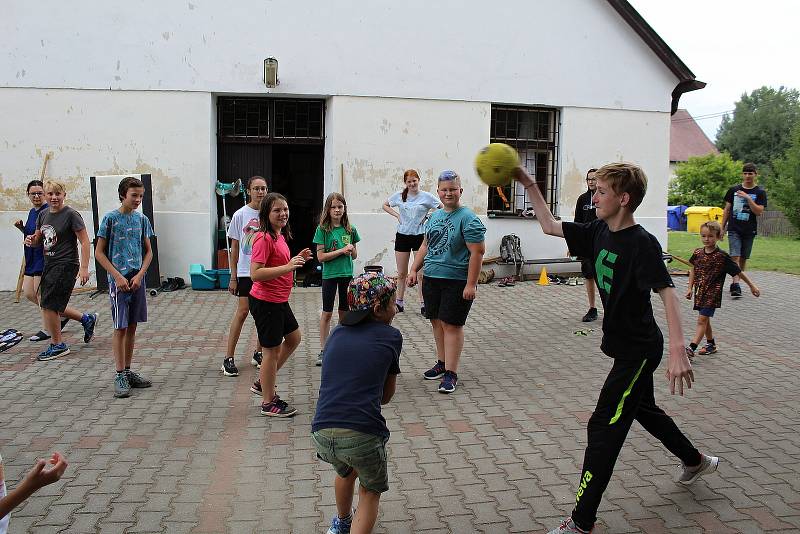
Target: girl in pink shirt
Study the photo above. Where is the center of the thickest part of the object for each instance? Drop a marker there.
(271, 270)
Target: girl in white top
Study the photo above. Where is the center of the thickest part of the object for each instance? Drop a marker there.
(242, 231)
(410, 206)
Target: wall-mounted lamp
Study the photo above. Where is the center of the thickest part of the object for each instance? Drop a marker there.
(271, 72)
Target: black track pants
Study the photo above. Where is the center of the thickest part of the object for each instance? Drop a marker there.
(626, 395)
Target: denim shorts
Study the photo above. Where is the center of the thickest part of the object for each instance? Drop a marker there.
(740, 245)
(347, 450)
(706, 312)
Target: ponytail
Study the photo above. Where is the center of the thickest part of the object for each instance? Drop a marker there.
(406, 175)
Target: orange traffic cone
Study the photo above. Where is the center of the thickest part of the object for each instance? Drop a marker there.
(543, 280)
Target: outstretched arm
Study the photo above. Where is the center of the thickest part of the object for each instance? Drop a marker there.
(678, 367)
(38, 477)
(545, 217)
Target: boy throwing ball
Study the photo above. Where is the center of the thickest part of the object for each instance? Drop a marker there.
(628, 265)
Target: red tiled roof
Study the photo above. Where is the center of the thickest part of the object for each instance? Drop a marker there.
(687, 139)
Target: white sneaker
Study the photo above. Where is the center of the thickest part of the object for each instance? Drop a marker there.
(708, 464)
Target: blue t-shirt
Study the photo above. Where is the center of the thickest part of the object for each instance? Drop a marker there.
(355, 365)
(125, 234)
(34, 256)
(448, 235)
(413, 211)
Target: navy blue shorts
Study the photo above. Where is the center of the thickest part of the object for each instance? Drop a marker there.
(127, 307)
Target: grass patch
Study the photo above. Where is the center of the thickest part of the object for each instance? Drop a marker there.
(780, 254)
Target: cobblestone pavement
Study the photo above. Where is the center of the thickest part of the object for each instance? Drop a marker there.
(502, 454)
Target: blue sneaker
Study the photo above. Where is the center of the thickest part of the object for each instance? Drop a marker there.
(88, 327)
(340, 526)
(449, 381)
(53, 351)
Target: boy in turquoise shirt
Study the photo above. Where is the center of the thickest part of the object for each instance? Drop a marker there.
(452, 253)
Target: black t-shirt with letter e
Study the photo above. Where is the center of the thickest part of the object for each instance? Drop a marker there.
(742, 220)
(628, 265)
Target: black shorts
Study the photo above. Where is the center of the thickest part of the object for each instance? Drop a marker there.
(329, 290)
(444, 300)
(243, 286)
(407, 243)
(274, 321)
(587, 269)
(56, 286)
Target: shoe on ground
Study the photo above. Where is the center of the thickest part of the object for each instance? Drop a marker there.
(449, 381)
(53, 351)
(319, 359)
(122, 388)
(256, 387)
(708, 464)
(708, 348)
(568, 526)
(64, 322)
(136, 380)
(340, 526)
(257, 357)
(689, 353)
(736, 290)
(277, 407)
(41, 335)
(400, 307)
(229, 368)
(436, 372)
(88, 327)
(590, 316)
(422, 311)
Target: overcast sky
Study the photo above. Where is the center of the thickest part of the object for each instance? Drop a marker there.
(734, 46)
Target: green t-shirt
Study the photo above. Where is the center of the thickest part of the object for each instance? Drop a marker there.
(337, 238)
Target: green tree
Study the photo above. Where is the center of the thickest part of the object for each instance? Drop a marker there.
(704, 180)
(759, 130)
(785, 185)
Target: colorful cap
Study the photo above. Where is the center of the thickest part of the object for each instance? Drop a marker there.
(364, 292)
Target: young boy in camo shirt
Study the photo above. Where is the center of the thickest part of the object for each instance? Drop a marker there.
(123, 234)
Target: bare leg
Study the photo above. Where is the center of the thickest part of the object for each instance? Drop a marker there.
(709, 333)
(324, 327)
(590, 292)
(52, 325)
(269, 371)
(402, 272)
(130, 337)
(453, 344)
(343, 489)
(702, 325)
(438, 337)
(289, 345)
(73, 314)
(118, 347)
(367, 512)
(235, 329)
(30, 288)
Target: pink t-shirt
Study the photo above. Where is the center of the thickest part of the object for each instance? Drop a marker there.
(272, 253)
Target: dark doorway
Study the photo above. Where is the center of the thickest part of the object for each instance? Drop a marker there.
(282, 140)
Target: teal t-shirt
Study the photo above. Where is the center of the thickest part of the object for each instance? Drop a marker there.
(448, 235)
(337, 238)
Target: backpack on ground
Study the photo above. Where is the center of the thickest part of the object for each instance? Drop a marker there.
(511, 249)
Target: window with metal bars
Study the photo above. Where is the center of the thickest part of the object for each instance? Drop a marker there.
(270, 120)
(533, 132)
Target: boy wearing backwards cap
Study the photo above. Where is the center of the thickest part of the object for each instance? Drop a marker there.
(359, 372)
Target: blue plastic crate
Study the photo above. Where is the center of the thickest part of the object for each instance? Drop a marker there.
(202, 280)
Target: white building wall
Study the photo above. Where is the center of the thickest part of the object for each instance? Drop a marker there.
(376, 139)
(166, 134)
(549, 52)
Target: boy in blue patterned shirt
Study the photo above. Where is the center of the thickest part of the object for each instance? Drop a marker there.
(123, 235)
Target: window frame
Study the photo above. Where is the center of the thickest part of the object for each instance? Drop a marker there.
(533, 131)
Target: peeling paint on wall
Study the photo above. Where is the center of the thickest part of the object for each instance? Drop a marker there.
(573, 185)
(377, 259)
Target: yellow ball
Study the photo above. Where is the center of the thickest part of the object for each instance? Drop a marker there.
(495, 164)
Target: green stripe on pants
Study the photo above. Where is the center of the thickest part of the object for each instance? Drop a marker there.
(626, 393)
